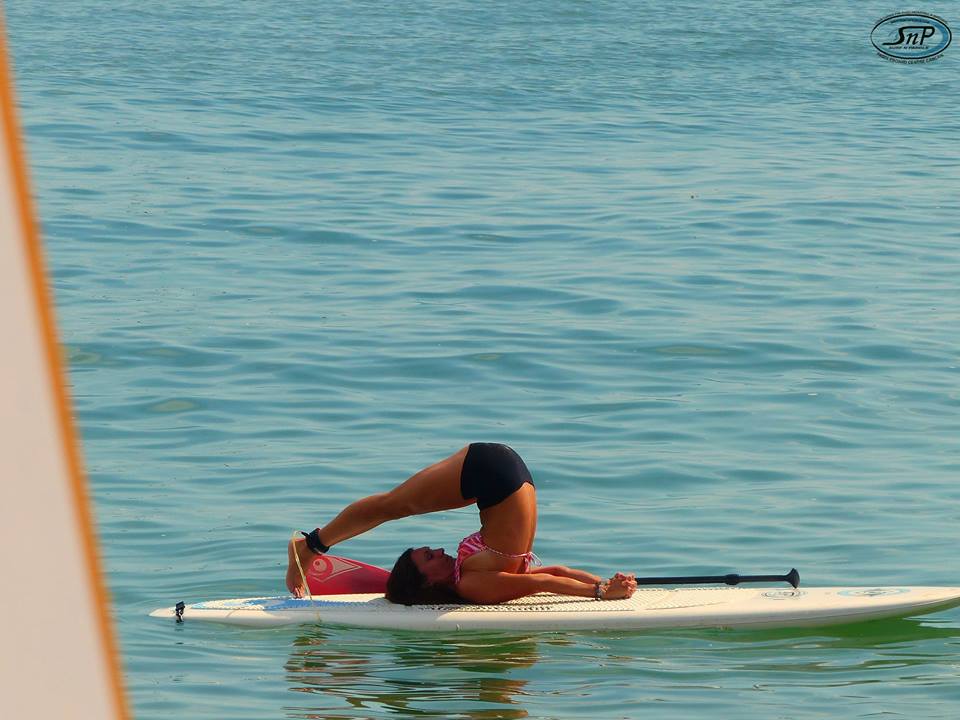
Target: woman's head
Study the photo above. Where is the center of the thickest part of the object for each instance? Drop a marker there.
(422, 576)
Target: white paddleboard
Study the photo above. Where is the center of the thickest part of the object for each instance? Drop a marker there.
(649, 608)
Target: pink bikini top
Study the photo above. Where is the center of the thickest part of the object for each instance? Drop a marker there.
(472, 544)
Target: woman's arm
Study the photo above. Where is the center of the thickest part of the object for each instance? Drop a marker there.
(564, 571)
(490, 587)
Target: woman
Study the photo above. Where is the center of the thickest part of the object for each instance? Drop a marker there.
(493, 565)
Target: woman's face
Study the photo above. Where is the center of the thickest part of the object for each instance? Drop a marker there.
(434, 563)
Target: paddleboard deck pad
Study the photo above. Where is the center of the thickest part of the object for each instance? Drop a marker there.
(649, 608)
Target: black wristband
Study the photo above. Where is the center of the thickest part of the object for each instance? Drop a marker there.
(314, 542)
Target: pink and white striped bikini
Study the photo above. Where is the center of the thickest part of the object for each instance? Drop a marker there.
(472, 544)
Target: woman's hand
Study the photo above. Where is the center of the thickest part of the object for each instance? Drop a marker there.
(620, 586)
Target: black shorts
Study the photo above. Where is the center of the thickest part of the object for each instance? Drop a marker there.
(491, 473)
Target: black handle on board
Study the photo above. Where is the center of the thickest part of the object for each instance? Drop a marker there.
(792, 577)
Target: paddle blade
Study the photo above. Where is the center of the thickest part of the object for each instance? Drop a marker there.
(332, 575)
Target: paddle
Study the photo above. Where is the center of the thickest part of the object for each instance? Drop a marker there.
(792, 577)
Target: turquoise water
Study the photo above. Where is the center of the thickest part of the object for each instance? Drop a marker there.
(698, 264)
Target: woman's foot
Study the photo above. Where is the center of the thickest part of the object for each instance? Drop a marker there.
(620, 586)
(297, 548)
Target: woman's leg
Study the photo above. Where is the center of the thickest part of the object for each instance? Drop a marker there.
(432, 489)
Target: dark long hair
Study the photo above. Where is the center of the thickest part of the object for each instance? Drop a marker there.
(407, 585)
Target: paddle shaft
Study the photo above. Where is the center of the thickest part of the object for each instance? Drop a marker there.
(792, 577)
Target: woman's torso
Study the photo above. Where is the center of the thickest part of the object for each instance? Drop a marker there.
(508, 528)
